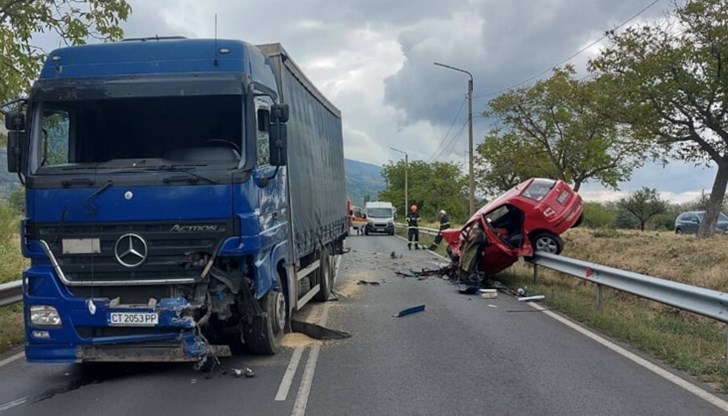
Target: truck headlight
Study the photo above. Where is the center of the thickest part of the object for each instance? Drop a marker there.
(44, 315)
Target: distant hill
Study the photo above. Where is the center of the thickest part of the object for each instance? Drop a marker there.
(363, 179)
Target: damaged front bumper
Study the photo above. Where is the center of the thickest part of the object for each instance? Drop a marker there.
(102, 330)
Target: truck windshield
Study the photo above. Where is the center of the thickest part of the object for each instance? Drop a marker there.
(379, 212)
(192, 130)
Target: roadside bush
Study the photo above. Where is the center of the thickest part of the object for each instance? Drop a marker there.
(597, 215)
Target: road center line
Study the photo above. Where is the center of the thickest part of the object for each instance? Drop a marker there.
(288, 375)
(14, 403)
(299, 407)
(304, 390)
(692, 388)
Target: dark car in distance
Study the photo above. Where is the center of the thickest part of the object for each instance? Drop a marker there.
(689, 222)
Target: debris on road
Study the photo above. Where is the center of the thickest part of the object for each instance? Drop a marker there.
(247, 372)
(367, 282)
(394, 255)
(448, 271)
(409, 311)
(468, 290)
(531, 298)
(488, 293)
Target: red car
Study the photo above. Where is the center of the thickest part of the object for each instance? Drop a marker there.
(529, 217)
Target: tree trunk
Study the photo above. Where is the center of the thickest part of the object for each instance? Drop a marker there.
(707, 226)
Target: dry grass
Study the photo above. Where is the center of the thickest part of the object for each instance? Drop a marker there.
(686, 259)
(686, 341)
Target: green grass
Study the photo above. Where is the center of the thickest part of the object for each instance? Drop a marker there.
(11, 328)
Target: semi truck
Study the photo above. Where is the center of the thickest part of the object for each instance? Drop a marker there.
(176, 190)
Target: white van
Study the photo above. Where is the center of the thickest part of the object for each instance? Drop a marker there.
(380, 217)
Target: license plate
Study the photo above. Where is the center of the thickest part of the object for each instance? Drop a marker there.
(562, 197)
(133, 319)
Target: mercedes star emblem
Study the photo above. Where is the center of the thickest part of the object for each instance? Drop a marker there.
(130, 250)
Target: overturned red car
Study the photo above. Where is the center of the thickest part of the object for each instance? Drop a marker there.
(529, 217)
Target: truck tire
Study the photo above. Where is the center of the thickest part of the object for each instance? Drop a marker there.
(266, 331)
(325, 277)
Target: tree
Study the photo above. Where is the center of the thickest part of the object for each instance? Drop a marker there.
(503, 161)
(557, 129)
(599, 215)
(73, 20)
(432, 187)
(643, 205)
(671, 82)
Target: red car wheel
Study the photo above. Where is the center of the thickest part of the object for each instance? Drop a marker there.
(547, 242)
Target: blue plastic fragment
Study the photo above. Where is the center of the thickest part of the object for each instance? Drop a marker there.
(410, 311)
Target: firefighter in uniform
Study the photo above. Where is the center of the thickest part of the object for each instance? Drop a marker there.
(413, 232)
(444, 225)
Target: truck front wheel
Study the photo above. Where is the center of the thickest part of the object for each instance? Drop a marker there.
(265, 334)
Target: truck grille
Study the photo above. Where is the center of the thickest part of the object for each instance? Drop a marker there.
(167, 255)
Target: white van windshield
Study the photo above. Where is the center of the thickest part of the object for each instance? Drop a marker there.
(379, 212)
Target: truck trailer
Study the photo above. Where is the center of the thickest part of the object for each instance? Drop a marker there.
(175, 189)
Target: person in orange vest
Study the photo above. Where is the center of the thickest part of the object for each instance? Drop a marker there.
(413, 231)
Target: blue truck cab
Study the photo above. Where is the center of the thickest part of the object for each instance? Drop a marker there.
(174, 188)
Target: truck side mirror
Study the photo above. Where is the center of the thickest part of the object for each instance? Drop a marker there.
(15, 143)
(279, 113)
(14, 120)
(15, 123)
(278, 144)
(278, 134)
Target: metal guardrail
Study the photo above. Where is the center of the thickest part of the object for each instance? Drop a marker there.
(11, 292)
(706, 302)
(424, 230)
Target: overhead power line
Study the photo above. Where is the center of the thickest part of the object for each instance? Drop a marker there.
(450, 144)
(573, 55)
(444, 137)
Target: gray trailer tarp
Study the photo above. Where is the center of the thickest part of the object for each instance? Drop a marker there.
(317, 183)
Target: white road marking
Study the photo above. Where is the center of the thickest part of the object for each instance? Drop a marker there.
(14, 403)
(288, 375)
(304, 390)
(686, 385)
(299, 407)
(11, 359)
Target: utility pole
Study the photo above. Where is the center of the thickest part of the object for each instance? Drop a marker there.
(471, 178)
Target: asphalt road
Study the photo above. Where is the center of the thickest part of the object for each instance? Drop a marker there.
(463, 355)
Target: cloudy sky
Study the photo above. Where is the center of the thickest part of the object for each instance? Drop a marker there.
(374, 60)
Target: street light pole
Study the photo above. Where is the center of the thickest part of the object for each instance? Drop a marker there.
(406, 191)
(471, 183)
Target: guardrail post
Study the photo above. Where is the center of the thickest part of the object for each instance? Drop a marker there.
(535, 272)
(599, 297)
